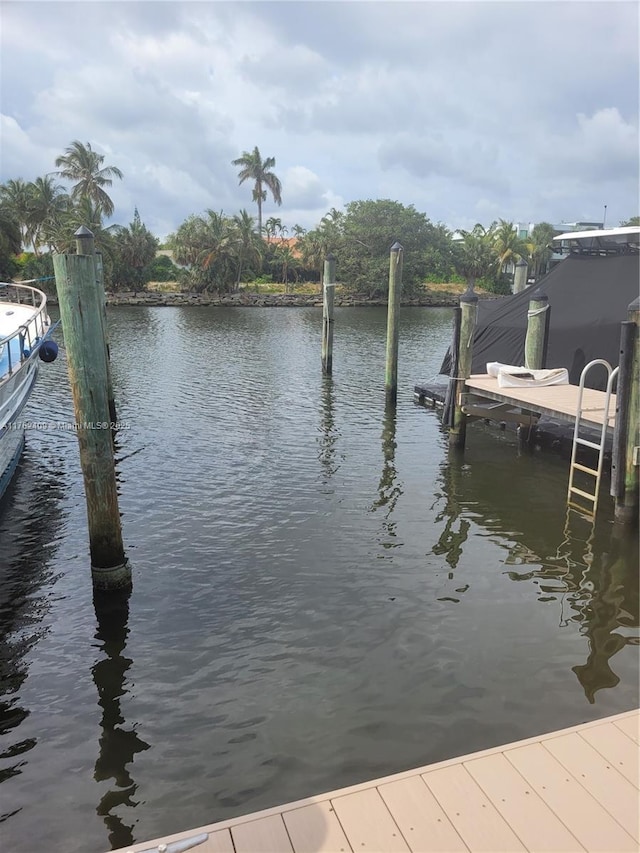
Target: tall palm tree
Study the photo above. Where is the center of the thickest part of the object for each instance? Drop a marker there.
(81, 164)
(254, 168)
(48, 203)
(247, 246)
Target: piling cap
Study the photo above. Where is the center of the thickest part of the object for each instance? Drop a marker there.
(539, 296)
(522, 263)
(468, 296)
(396, 247)
(330, 257)
(83, 231)
(635, 305)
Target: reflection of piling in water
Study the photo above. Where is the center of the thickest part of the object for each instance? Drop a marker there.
(450, 542)
(389, 490)
(613, 602)
(117, 744)
(327, 455)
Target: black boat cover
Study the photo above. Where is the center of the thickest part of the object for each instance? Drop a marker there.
(588, 298)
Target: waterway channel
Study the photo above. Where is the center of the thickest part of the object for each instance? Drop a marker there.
(321, 594)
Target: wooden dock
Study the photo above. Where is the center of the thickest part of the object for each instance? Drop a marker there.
(574, 789)
(558, 401)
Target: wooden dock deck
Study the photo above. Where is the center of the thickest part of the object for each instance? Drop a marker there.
(574, 789)
(558, 401)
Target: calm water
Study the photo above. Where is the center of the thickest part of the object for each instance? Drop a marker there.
(320, 595)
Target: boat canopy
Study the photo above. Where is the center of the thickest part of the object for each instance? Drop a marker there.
(589, 295)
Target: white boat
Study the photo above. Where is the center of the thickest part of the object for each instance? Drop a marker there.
(25, 328)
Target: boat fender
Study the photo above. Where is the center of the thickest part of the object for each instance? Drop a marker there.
(48, 351)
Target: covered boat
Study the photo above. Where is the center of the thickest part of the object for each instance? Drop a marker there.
(589, 293)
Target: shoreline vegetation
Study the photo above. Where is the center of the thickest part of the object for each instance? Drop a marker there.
(260, 296)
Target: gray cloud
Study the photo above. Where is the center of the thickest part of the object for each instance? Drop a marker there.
(467, 110)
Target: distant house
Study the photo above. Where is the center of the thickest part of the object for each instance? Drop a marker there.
(290, 242)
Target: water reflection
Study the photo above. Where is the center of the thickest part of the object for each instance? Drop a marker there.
(456, 528)
(588, 571)
(30, 518)
(614, 604)
(329, 434)
(389, 488)
(118, 743)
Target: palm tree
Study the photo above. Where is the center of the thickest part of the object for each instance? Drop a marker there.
(539, 246)
(48, 203)
(81, 164)
(60, 232)
(247, 246)
(253, 168)
(10, 241)
(285, 259)
(274, 227)
(474, 256)
(135, 248)
(507, 244)
(15, 197)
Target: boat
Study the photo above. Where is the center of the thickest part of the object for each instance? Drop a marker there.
(589, 294)
(25, 340)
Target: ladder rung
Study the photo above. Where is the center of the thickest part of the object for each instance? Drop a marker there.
(583, 494)
(586, 470)
(583, 511)
(588, 443)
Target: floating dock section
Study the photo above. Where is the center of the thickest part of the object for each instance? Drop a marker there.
(574, 789)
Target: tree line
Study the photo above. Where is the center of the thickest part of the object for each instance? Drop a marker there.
(219, 252)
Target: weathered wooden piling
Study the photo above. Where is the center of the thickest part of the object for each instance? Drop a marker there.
(85, 245)
(81, 313)
(626, 442)
(328, 295)
(535, 345)
(468, 318)
(520, 276)
(393, 321)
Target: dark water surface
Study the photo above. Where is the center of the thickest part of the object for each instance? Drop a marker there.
(320, 595)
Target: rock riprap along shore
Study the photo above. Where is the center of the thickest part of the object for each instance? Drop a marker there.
(260, 300)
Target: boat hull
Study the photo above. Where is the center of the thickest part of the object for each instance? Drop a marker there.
(14, 396)
(24, 328)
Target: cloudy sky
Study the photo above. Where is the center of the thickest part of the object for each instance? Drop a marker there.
(468, 110)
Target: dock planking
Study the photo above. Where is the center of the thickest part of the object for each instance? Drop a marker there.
(573, 789)
(559, 401)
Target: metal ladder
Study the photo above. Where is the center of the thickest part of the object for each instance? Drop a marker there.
(612, 374)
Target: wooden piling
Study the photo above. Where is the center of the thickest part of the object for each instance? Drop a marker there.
(537, 331)
(520, 276)
(468, 318)
(328, 295)
(393, 321)
(85, 245)
(627, 438)
(450, 394)
(80, 312)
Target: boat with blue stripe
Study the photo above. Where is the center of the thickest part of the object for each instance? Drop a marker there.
(25, 340)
